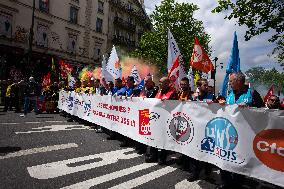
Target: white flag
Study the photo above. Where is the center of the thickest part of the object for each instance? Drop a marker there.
(173, 54)
(191, 79)
(105, 73)
(205, 76)
(135, 74)
(71, 81)
(113, 65)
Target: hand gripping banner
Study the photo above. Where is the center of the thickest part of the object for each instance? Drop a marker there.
(244, 141)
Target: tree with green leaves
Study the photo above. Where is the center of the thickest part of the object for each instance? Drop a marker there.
(260, 76)
(259, 16)
(178, 17)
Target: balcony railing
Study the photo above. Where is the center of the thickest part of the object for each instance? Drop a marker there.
(123, 6)
(121, 40)
(117, 3)
(100, 10)
(124, 24)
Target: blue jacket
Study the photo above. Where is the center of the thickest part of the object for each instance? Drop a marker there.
(246, 97)
(120, 91)
(129, 91)
(207, 96)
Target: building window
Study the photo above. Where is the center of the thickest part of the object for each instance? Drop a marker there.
(100, 7)
(130, 37)
(42, 37)
(72, 43)
(97, 53)
(130, 7)
(44, 5)
(99, 25)
(130, 20)
(73, 15)
(5, 25)
(116, 32)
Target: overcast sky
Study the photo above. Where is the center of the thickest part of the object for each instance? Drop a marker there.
(252, 53)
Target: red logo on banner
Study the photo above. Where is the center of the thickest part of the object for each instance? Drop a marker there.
(268, 146)
(144, 122)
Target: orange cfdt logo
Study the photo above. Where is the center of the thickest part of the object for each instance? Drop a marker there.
(268, 146)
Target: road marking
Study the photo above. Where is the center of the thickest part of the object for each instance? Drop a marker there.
(199, 184)
(39, 150)
(53, 128)
(9, 123)
(60, 168)
(55, 121)
(108, 177)
(145, 178)
(33, 122)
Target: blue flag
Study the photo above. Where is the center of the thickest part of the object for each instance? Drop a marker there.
(232, 66)
(141, 85)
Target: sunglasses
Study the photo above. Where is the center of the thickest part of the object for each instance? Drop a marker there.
(273, 99)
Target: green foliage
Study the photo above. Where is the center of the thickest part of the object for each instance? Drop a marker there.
(259, 16)
(178, 17)
(260, 76)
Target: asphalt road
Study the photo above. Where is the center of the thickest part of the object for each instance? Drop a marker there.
(46, 151)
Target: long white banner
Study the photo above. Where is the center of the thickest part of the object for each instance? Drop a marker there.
(245, 141)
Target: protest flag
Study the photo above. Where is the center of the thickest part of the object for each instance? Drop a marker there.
(269, 93)
(199, 59)
(135, 74)
(175, 61)
(232, 66)
(113, 66)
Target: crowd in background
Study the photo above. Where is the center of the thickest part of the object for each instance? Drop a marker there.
(29, 95)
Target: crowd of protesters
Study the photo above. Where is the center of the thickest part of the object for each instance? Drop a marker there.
(240, 94)
(25, 96)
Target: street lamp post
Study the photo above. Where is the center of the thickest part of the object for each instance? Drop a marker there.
(213, 73)
(31, 36)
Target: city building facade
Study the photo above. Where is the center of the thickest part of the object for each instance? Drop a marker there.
(76, 31)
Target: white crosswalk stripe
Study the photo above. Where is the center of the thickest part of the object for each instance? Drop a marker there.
(108, 177)
(53, 128)
(145, 178)
(60, 168)
(184, 184)
(55, 121)
(39, 150)
(32, 122)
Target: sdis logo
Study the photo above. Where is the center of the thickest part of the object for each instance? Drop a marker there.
(221, 139)
(268, 146)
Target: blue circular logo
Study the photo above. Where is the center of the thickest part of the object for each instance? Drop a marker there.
(223, 132)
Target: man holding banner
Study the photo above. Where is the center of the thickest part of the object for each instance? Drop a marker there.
(166, 93)
(244, 96)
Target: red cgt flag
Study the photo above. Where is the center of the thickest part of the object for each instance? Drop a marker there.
(269, 93)
(199, 59)
(173, 74)
(46, 82)
(65, 69)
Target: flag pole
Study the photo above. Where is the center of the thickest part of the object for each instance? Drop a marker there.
(214, 73)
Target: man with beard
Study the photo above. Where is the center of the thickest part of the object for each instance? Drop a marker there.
(185, 92)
